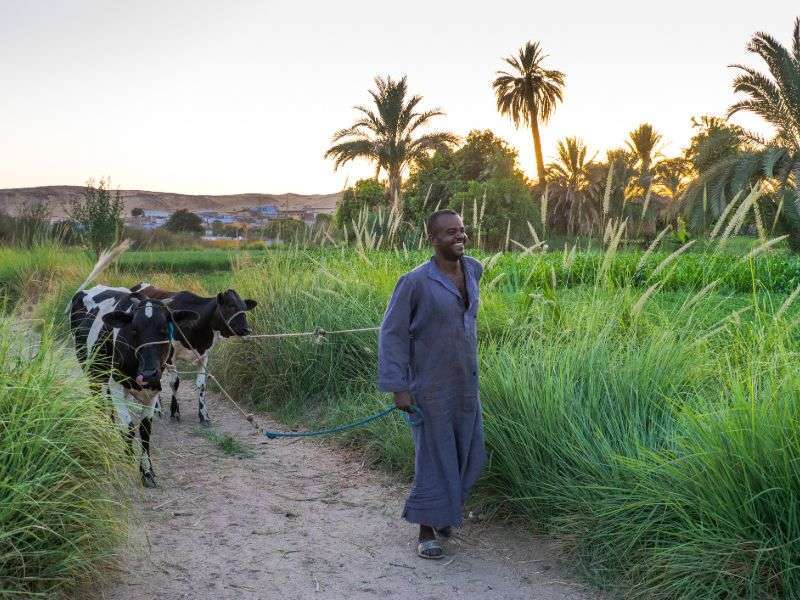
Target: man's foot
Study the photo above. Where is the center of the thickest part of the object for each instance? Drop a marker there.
(429, 546)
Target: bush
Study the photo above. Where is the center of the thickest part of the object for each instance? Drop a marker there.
(63, 472)
(99, 215)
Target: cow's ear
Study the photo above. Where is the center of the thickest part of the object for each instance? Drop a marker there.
(117, 319)
(220, 298)
(250, 304)
(181, 316)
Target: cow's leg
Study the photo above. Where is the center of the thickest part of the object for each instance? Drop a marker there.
(202, 410)
(124, 420)
(145, 405)
(174, 407)
(157, 407)
(145, 464)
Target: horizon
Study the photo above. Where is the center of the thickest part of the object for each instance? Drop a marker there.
(197, 98)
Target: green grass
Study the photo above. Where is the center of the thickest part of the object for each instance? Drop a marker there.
(63, 472)
(655, 433)
(227, 443)
(657, 439)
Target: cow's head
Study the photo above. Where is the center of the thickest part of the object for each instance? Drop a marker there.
(147, 330)
(231, 311)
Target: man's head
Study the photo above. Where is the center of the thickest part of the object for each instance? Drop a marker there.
(446, 234)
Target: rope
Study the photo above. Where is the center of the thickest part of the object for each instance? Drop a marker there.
(331, 430)
(319, 332)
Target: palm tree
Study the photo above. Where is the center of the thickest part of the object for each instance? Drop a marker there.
(530, 94)
(643, 143)
(388, 135)
(571, 174)
(671, 175)
(775, 96)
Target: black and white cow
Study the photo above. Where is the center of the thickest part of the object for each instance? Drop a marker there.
(123, 341)
(223, 315)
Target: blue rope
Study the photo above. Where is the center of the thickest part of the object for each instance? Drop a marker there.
(279, 434)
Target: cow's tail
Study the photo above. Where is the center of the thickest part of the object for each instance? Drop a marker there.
(106, 258)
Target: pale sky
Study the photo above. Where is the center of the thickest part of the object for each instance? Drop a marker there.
(243, 96)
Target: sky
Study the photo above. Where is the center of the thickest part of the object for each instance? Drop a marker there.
(243, 96)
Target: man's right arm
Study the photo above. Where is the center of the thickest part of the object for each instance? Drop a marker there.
(394, 345)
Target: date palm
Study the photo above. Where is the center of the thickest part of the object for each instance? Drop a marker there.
(643, 143)
(529, 94)
(774, 96)
(571, 173)
(388, 134)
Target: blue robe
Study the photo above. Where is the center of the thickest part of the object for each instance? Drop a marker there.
(428, 347)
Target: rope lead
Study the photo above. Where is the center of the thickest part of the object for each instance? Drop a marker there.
(331, 430)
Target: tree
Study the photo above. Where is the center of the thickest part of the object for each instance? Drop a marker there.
(775, 96)
(504, 207)
(529, 95)
(671, 176)
(435, 180)
(99, 215)
(186, 222)
(643, 143)
(388, 135)
(366, 193)
(571, 176)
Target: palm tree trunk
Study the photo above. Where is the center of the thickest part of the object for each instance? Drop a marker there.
(537, 148)
(394, 190)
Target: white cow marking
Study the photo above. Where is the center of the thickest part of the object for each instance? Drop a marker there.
(148, 310)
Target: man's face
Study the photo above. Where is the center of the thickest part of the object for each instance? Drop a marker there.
(449, 237)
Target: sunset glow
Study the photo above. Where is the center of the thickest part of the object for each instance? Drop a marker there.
(205, 97)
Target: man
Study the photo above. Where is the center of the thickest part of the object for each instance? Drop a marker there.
(428, 359)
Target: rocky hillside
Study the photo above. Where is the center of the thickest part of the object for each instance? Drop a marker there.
(59, 197)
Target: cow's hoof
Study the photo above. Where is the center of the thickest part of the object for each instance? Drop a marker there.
(205, 422)
(176, 417)
(149, 480)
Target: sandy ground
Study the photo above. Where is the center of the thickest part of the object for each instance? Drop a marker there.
(303, 519)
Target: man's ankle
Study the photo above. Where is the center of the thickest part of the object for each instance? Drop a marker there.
(426, 532)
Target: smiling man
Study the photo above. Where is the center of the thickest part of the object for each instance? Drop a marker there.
(428, 359)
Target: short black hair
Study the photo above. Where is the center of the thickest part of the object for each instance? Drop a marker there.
(430, 223)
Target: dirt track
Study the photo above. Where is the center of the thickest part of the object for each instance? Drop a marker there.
(298, 519)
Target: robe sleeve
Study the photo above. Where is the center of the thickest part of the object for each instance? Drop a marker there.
(394, 342)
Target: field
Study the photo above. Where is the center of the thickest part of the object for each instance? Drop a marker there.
(639, 407)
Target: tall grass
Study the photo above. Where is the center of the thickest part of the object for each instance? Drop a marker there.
(657, 439)
(62, 471)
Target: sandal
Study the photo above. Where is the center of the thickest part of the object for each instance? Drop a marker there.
(431, 549)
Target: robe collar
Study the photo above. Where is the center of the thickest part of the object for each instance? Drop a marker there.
(436, 274)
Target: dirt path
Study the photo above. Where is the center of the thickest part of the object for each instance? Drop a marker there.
(297, 520)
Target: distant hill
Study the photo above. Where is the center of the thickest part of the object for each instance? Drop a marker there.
(59, 197)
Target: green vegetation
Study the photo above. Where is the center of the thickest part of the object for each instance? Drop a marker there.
(63, 471)
(228, 444)
(99, 216)
(650, 430)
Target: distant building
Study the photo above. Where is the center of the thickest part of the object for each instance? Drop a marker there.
(266, 211)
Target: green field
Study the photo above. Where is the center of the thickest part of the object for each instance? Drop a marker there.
(640, 408)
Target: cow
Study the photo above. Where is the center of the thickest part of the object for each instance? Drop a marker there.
(223, 315)
(123, 341)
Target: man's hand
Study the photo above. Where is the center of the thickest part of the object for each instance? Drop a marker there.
(403, 401)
